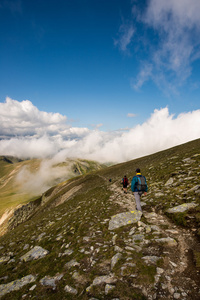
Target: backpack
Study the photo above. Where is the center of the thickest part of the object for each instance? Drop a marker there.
(125, 181)
(141, 185)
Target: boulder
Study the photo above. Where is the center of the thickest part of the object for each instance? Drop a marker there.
(123, 219)
(181, 208)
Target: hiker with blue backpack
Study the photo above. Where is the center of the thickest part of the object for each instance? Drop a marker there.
(139, 187)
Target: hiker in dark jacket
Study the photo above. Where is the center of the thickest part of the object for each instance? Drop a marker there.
(137, 189)
(125, 183)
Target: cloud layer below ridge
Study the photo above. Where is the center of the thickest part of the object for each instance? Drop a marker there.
(27, 132)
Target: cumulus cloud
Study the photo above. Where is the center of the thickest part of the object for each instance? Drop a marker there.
(162, 130)
(24, 119)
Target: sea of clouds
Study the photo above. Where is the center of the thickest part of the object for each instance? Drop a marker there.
(27, 132)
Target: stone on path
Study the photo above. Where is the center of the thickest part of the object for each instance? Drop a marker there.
(181, 208)
(151, 259)
(123, 219)
(70, 290)
(115, 259)
(168, 241)
(16, 284)
(35, 253)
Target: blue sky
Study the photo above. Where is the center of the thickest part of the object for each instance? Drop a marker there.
(100, 65)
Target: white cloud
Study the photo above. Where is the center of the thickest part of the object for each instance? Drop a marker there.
(184, 12)
(178, 25)
(23, 118)
(171, 32)
(159, 132)
(43, 177)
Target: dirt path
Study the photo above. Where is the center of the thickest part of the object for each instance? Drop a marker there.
(181, 278)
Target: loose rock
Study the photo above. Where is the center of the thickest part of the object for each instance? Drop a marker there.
(16, 284)
(115, 259)
(70, 290)
(124, 219)
(182, 207)
(36, 253)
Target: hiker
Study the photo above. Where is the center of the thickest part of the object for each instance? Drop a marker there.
(125, 184)
(139, 186)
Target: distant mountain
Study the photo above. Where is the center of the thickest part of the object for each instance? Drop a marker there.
(84, 239)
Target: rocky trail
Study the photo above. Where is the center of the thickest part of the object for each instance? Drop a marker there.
(178, 278)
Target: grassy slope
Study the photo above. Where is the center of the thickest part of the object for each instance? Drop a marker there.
(11, 192)
(11, 195)
(86, 213)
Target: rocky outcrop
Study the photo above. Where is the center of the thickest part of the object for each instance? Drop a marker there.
(23, 213)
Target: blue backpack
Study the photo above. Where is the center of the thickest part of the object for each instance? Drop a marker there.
(141, 185)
